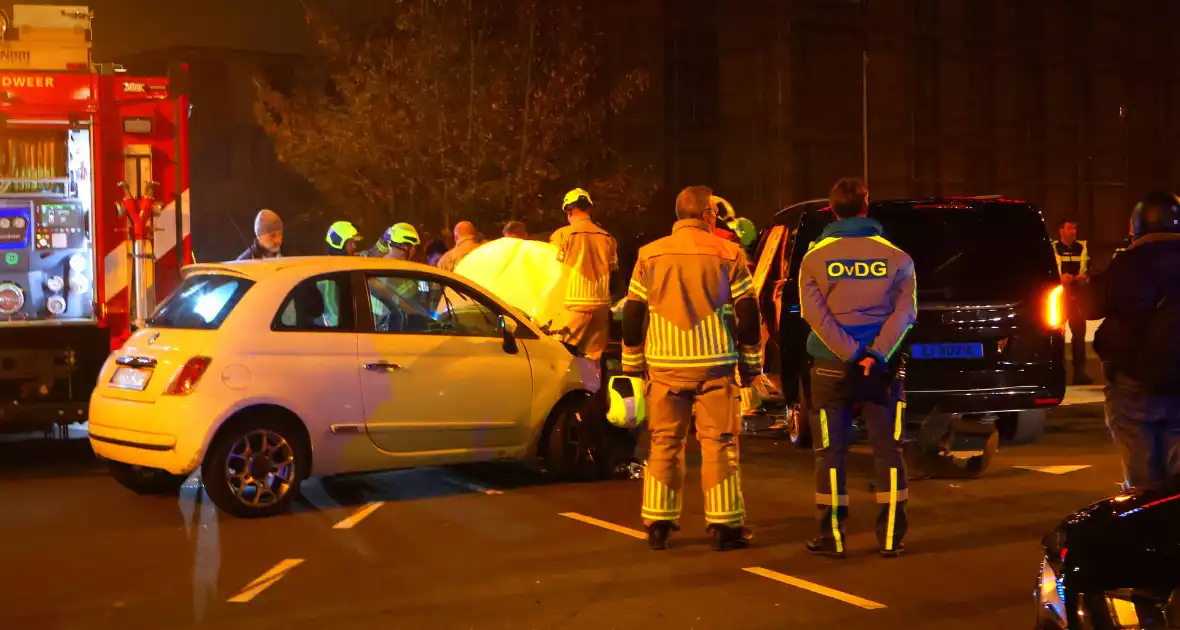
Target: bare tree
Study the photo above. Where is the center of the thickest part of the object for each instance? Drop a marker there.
(434, 109)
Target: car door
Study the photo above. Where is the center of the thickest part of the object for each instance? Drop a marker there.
(308, 361)
(437, 384)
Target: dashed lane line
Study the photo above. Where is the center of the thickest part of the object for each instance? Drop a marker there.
(265, 580)
(818, 589)
(358, 515)
(471, 485)
(626, 531)
(1054, 470)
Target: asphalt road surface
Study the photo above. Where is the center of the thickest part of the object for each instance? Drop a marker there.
(493, 547)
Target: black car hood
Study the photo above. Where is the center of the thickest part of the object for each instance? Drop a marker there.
(1127, 541)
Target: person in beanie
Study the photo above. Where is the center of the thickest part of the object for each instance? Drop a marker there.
(268, 237)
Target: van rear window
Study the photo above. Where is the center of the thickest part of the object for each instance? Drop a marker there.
(993, 252)
(986, 252)
(201, 302)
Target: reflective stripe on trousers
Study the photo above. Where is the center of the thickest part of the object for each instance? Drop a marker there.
(718, 423)
(834, 392)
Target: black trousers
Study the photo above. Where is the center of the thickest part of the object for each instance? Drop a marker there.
(1077, 328)
(1146, 431)
(835, 388)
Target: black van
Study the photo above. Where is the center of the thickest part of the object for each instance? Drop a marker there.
(986, 357)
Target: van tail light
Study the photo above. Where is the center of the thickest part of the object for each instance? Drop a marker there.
(186, 379)
(1055, 307)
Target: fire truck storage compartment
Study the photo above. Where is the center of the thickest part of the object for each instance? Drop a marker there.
(47, 374)
(46, 225)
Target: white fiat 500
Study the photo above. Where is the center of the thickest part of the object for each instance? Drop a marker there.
(264, 373)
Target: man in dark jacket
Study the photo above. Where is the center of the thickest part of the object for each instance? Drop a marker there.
(1139, 342)
(268, 237)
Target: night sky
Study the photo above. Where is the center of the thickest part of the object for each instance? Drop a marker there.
(125, 27)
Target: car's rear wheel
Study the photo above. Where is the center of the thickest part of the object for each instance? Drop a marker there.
(144, 480)
(1022, 427)
(254, 467)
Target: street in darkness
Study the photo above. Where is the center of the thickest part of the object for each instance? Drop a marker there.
(494, 546)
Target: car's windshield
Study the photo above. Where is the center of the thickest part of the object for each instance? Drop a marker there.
(201, 302)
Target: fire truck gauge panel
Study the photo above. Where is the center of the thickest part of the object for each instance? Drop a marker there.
(12, 298)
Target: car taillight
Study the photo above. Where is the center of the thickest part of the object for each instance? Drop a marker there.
(1055, 307)
(186, 379)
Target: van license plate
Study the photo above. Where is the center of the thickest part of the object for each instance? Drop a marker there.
(947, 351)
(131, 378)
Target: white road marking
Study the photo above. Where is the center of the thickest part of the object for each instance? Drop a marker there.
(626, 531)
(471, 485)
(815, 588)
(1053, 470)
(264, 581)
(359, 515)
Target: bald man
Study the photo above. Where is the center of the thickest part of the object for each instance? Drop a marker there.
(466, 240)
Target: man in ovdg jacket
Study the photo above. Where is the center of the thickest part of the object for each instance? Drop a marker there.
(857, 292)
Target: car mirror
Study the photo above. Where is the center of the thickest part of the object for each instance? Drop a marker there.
(509, 339)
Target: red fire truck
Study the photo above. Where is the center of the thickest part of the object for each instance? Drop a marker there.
(94, 210)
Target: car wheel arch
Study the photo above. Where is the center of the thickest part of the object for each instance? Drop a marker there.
(569, 398)
(267, 410)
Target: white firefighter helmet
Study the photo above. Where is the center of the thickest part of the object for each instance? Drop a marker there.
(628, 404)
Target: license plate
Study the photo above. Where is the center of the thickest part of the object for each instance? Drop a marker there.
(131, 378)
(947, 351)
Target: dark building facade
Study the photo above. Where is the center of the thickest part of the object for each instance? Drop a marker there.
(1069, 104)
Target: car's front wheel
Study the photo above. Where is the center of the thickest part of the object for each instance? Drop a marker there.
(144, 480)
(572, 447)
(254, 467)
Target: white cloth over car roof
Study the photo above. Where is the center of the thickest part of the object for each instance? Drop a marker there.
(525, 274)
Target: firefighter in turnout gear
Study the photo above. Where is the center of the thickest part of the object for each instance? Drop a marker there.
(689, 319)
(591, 254)
(1073, 263)
(725, 228)
(857, 292)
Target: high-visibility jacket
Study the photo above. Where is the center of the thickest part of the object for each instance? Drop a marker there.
(691, 283)
(464, 246)
(591, 254)
(857, 291)
(1072, 259)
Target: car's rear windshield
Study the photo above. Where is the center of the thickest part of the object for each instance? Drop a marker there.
(987, 252)
(201, 302)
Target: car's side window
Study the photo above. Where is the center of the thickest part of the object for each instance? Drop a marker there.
(320, 304)
(419, 306)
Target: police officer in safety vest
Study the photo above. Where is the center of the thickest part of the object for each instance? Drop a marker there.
(857, 292)
(689, 319)
(1073, 263)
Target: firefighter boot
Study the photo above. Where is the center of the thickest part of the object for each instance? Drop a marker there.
(657, 534)
(728, 538)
